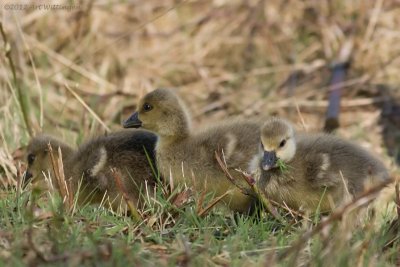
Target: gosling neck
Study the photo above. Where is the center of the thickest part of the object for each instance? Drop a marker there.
(175, 129)
(66, 150)
(67, 155)
(171, 139)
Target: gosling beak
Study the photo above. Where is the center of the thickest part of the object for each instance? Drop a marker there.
(133, 121)
(26, 179)
(269, 160)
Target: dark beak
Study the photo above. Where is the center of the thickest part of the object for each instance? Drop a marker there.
(133, 121)
(269, 160)
(26, 179)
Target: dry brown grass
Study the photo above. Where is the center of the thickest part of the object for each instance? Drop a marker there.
(226, 58)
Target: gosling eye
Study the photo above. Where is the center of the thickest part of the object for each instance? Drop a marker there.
(147, 107)
(31, 159)
(282, 143)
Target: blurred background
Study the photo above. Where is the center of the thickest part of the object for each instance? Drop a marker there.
(76, 69)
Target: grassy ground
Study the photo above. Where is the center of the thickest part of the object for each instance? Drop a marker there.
(78, 73)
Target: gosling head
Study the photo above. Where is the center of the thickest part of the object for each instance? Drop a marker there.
(161, 111)
(277, 143)
(38, 157)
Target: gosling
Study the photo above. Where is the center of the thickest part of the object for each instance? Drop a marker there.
(312, 171)
(89, 169)
(187, 157)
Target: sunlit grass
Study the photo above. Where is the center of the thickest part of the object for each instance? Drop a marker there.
(283, 167)
(40, 230)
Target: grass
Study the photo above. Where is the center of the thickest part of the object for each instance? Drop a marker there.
(283, 167)
(79, 73)
(39, 231)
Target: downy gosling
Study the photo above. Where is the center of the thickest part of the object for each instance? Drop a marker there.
(88, 169)
(187, 157)
(312, 171)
